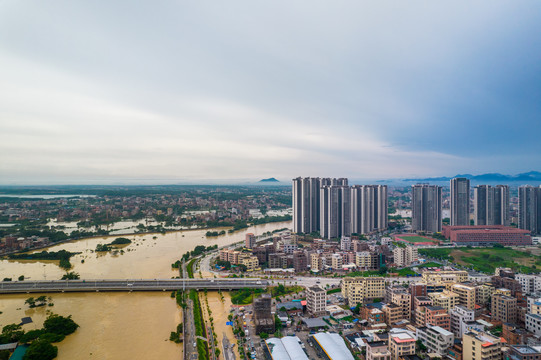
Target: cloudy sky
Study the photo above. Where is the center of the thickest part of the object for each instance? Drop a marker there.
(173, 91)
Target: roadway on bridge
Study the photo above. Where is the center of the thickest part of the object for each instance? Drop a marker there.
(128, 285)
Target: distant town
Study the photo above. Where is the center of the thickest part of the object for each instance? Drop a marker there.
(32, 221)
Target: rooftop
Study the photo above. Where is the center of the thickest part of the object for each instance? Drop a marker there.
(402, 337)
(377, 343)
(314, 323)
(524, 349)
(286, 348)
(434, 308)
(441, 330)
(316, 288)
(536, 316)
(333, 344)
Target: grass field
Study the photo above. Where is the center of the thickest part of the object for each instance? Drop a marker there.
(415, 239)
(488, 259)
(429, 264)
(404, 272)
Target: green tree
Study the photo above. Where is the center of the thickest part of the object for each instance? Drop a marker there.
(31, 336)
(31, 302)
(42, 300)
(11, 333)
(61, 325)
(420, 345)
(65, 264)
(5, 354)
(71, 275)
(21, 278)
(41, 350)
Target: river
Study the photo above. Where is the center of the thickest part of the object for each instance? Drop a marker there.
(116, 325)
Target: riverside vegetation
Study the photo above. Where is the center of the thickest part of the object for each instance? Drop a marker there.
(40, 341)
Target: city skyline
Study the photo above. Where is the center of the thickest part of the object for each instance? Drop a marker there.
(92, 93)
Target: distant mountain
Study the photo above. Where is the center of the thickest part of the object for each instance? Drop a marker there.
(269, 180)
(532, 176)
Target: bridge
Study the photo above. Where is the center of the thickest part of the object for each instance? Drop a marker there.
(41, 286)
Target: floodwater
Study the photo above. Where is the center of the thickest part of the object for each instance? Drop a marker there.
(119, 325)
(119, 227)
(220, 311)
(112, 325)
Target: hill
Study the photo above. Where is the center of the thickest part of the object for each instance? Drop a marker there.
(269, 180)
(532, 176)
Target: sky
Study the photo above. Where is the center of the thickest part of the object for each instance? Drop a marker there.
(183, 91)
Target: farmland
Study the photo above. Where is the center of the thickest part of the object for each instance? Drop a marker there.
(487, 259)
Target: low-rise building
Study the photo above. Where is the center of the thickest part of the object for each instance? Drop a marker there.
(481, 346)
(437, 316)
(504, 308)
(405, 256)
(534, 304)
(401, 344)
(393, 314)
(460, 315)
(420, 301)
(263, 319)
(401, 297)
(514, 335)
(433, 315)
(483, 293)
(466, 295)
(533, 323)
(316, 264)
(359, 289)
(373, 315)
(446, 299)
(316, 300)
(445, 276)
(377, 350)
(336, 262)
(436, 339)
(455, 352)
(251, 263)
(522, 352)
(366, 260)
(299, 261)
(530, 283)
(418, 289)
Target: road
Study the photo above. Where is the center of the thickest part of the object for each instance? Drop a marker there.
(7, 287)
(190, 351)
(227, 348)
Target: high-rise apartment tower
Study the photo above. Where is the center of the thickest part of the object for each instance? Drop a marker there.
(491, 205)
(529, 208)
(368, 208)
(426, 208)
(460, 201)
